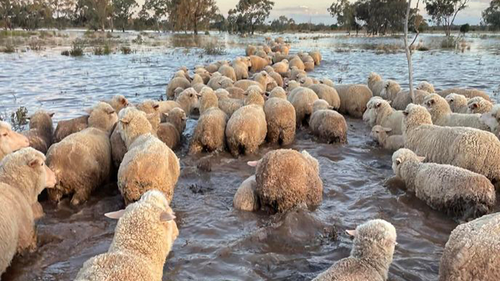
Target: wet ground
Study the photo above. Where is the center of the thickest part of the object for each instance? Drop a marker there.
(215, 241)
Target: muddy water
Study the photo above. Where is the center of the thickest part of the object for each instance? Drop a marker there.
(217, 242)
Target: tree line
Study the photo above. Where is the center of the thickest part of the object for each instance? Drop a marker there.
(248, 16)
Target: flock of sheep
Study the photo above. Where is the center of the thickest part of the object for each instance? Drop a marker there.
(446, 151)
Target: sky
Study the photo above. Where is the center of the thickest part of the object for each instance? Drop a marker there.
(315, 10)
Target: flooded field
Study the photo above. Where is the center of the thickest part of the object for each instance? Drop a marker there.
(215, 241)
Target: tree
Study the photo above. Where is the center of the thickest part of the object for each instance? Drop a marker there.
(191, 14)
(444, 12)
(159, 9)
(122, 12)
(252, 13)
(491, 15)
(6, 12)
(345, 13)
(282, 23)
(465, 28)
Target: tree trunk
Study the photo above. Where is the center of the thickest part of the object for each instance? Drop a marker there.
(195, 26)
(408, 52)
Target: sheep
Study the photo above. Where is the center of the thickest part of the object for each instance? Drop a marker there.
(258, 63)
(40, 133)
(149, 107)
(390, 90)
(278, 92)
(275, 75)
(170, 132)
(246, 130)
(220, 82)
(471, 251)
(297, 62)
(118, 102)
(228, 71)
(143, 238)
(327, 93)
(295, 72)
(82, 161)
(380, 112)
(281, 67)
(302, 99)
(204, 74)
(280, 117)
(371, 254)
(250, 50)
(284, 179)
(261, 79)
(353, 99)
(456, 191)
(245, 198)
(65, 128)
(468, 93)
(209, 132)
(425, 86)
(475, 150)
(492, 119)
(148, 164)
(177, 82)
(23, 176)
(327, 124)
(235, 92)
(316, 56)
(442, 115)
(326, 81)
(458, 103)
(241, 66)
(375, 83)
(10, 140)
(391, 142)
(478, 105)
(227, 104)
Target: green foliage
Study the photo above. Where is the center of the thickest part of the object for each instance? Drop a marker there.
(122, 12)
(213, 49)
(448, 43)
(282, 24)
(19, 119)
(249, 14)
(491, 15)
(76, 50)
(9, 49)
(464, 28)
(443, 12)
(345, 13)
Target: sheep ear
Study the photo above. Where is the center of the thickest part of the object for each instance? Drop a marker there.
(35, 162)
(164, 216)
(253, 163)
(156, 106)
(398, 161)
(110, 111)
(351, 232)
(389, 101)
(165, 114)
(51, 114)
(474, 105)
(387, 129)
(421, 158)
(125, 121)
(115, 215)
(124, 101)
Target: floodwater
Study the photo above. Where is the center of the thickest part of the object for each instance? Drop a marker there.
(215, 241)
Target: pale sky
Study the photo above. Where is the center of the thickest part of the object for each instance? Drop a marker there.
(315, 10)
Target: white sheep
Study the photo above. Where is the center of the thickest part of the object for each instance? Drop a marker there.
(82, 161)
(492, 119)
(458, 103)
(9, 140)
(478, 105)
(327, 124)
(371, 254)
(23, 176)
(472, 149)
(380, 112)
(456, 191)
(375, 83)
(471, 252)
(118, 102)
(40, 134)
(443, 116)
(425, 86)
(143, 239)
(148, 164)
(391, 142)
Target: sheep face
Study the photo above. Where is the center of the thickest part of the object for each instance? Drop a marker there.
(119, 102)
(415, 115)
(425, 86)
(103, 116)
(27, 170)
(379, 133)
(435, 104)
(374, 77)
(492, 118)
(133, 123)
(402, 156)
(9, 140)
(374, 240)
(370, 114)
(149, 107)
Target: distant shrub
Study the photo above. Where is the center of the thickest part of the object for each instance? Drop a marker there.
(448, 43)
(76, 49)
(213, 49)
(9, 49)
(126, 50)
(19, 119)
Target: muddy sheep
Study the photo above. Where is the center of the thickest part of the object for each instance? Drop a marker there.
(23, 176)
(260, 79)
(456, 191)
(245, 198)
(327, 93)
(143, 238)
(371, 254)
(327, 124)
(148, 164)
(353, 99)
(471, 251)
(82, 161)
(209, 134)
(227, 104)
(241, 67)
(170, 132)
(177, 82)
(65, 128)
(280, 117)
(302, 100)
(41, 130)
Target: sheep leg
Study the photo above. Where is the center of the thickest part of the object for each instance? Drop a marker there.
(55, 194)
(81, 195)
